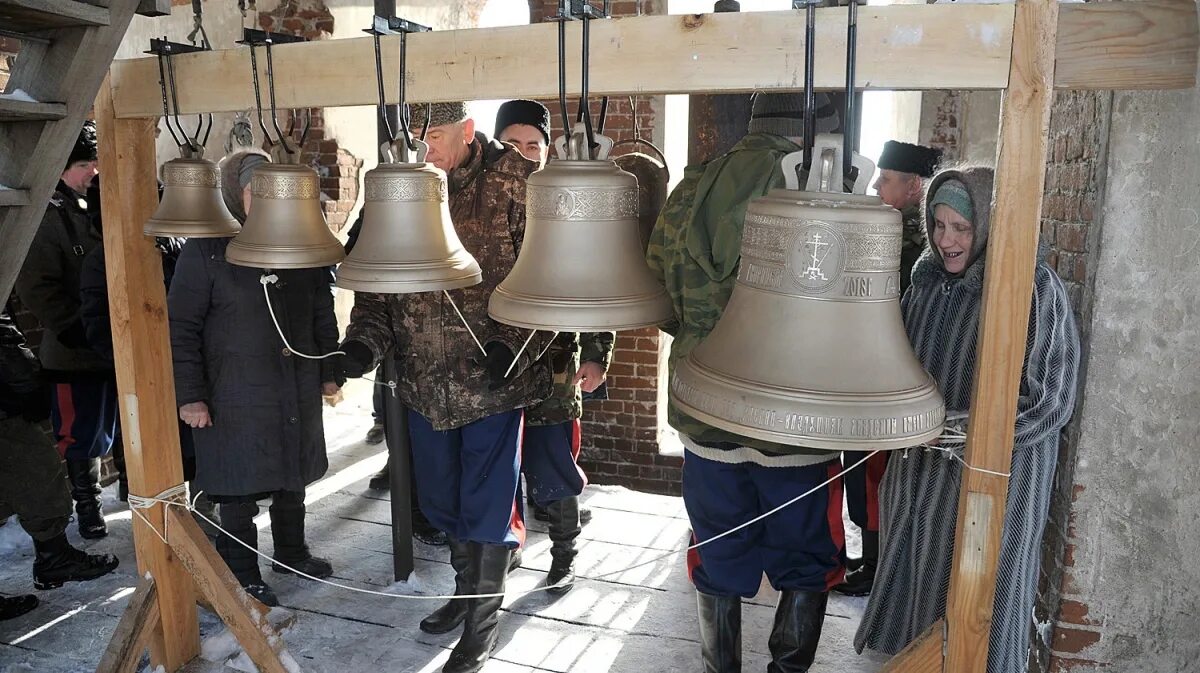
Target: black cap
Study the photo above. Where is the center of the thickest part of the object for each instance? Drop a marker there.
(529, 112)
(909, 158)
(85, 145)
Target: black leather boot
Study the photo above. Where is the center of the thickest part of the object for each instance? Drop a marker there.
(118, 462)
(449, 616)
(861, 579)
(381, 480)
(798, 621)
(482, 628)
(57, 563)
(85, 491)
(287, 530)
(238, 519)
(564, 528)
(720, 632)
(12, 607)
(543, 514)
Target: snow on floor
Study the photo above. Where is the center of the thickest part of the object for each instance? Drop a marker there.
(634, 621)
(20, 95)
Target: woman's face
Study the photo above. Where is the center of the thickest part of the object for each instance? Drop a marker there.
(952, 236)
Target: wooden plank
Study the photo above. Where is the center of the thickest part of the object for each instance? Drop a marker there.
(14, 197)
(648, 54)
(15, 110)
(145, 381)
(1103, 46)
(923, 655)
(154, 8)
(27, 15)
(245, 617)
(133, 632)
(1003, 329)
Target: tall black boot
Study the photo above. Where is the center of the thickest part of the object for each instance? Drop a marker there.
(118, 461)
(861, 579)
(57, 563)
(564, 528)
(482, 628)
(449, 616)
(287, 530)
(798, 621)
(12, 607)
(720, 632)
(381, 480)
(85, 491)
(237, 518)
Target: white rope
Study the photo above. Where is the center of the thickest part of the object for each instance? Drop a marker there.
(176, 495)
(269, 279)
(464, 322)
(951, 439)
(518, 355)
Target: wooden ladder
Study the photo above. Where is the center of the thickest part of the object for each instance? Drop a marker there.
(66, 49)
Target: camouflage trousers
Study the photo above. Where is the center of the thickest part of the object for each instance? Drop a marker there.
(33, 481)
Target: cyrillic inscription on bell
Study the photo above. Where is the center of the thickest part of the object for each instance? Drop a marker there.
(811, 350)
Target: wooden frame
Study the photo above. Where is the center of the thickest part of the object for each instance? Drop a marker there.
(1027, 49)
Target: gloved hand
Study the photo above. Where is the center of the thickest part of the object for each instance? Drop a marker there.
(353, 364)
(499, 359)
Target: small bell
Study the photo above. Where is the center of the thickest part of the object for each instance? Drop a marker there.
(285, 228)
(191, 204)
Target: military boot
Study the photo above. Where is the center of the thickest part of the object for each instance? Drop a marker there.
(720, 632)
(12, 607)
(287, 530)
(85, 491)
(237, 518)
(489, 562)
(564, 528)
(861, 578)
(449, 616)
(57, 562)
(797, 630)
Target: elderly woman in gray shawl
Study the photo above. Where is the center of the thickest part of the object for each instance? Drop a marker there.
(254, 405)
(919, 493)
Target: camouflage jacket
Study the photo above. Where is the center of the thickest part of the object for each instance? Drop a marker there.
(435, 354)
(695, 249)
(565, 354)
(913, 245)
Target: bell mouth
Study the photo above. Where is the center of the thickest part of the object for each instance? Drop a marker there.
(579, 314)
(275, 256)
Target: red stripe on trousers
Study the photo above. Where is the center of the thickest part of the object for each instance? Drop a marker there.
(576, 441)
(876, 466)
(66, 418)
(837, 533)
(516, 523)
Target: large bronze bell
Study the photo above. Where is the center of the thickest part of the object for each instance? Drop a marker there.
(408, 243)
(582, 267)
(811, 350)
(285, 228)
(191, 204)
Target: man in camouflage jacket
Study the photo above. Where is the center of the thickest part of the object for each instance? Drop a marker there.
(728, 480)
(466, 410)
(903, 171)
(580, 363)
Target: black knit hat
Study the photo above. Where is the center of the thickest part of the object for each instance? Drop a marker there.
(783, 114)
(528, 112)
(908, 158)
(85, 145)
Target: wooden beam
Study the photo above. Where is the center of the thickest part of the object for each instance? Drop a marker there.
(32, 15)
(1003, 332)
(14, 197)
(145, 381)
(154, 8)
(245, 617)
(133, 632)
(1104, 47)
(14, 110)
(923, 655)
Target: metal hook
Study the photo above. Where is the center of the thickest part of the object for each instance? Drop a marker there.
(810, 96)
(562, 66)
(162, 82)
(274, 114)
(850, 129)
(387, 123)
(262, 124)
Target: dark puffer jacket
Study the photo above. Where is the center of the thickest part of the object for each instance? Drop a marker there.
(22, 394)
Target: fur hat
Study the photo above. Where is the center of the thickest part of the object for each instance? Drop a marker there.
(85, 145)
(528, 112)
(440, 114)
(909, 158)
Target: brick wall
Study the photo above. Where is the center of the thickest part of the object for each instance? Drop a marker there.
(338, 168)
(8, 53)
(620, 435)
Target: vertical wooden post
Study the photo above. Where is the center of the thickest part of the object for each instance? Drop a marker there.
(1003, 327)
(145, 381)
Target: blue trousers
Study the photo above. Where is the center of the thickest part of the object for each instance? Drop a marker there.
(549, 456)
(800, 548)
(84, 417)
(468, 477)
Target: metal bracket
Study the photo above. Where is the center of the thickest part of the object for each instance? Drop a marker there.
(160, 47)
(258, 38)
(391, 25)
(577, 10)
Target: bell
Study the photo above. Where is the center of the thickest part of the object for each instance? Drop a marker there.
(811, 350)
(582, 266)
(191, 204)
(652, 179)
(408, 243)
(285, 228)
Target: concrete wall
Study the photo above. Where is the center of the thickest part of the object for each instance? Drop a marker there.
(1131, 587)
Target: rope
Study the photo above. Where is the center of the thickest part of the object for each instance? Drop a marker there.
(176, 495)
(270, 279)
(518, 355)
(464, 322)
(951, 439)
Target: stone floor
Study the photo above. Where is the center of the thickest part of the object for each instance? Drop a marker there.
(634, 621)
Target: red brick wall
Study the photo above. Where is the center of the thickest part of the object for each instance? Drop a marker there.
(620, 435)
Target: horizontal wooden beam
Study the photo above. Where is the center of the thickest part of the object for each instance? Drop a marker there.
(1112, 45)
(17, 110)
(13, 197)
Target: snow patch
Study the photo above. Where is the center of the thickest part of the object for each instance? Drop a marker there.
(220, 647)
(20, 95)
(13, 537)
(157, 669)
(242, 663)
(409, 587)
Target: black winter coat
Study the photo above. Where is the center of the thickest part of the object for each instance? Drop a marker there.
(267, 433)
(21, 391)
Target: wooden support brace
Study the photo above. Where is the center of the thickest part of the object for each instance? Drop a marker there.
(923, 655)
(133, 632)
(245, 617)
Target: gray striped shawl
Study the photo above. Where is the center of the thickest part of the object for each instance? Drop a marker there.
(919, 493)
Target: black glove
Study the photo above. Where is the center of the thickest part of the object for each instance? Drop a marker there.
(74, 336)
(353, 364)
(499, 359)
(35, 406)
